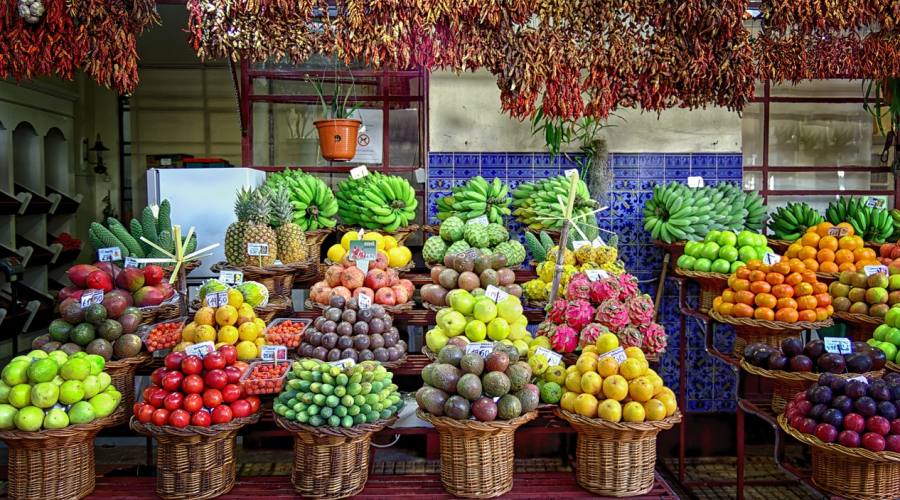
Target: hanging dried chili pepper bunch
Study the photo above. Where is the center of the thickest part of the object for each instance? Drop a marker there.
(98, 36)
(832, 16)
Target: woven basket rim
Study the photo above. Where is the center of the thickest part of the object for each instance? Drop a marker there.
(700, 274)
(356, 431)
(192, 430)
(827, 276)
(430, 355)
(858, 318)
(891, 366)
(267, 271)
(408, 229)
(786, 376)
(66, 432)
(656, 425)
(856, 453)
(536, 304)
(406, 306)
(141, 358)
(775, 326)
(669, 246)
(322, 231)
(432, 307)
(451, 424)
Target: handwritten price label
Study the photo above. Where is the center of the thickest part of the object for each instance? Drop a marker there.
(483, 349)
(258, 249)
(231, 277)
(359, 172)
(618, 354)
(217, 299)
(596, 274)
(695, 182)
(771, 258)
(364, 301)
(91, 297)
(838, 232)
(553, 358)
(495, 294)
(346, 363)
(870, 270)
(109, 254)
(273, 353)
(131, 262)
(480, 220)
(201, 349)
(361, 253)
(875, 202)
(838, 345)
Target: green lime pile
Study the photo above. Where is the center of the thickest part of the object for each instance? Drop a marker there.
(55, 390)
(320, 394)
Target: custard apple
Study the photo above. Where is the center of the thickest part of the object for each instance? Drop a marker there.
(477, 235)
(452, 229)
(434, 249)
(496, 234)
(513, 250)
(458, 247)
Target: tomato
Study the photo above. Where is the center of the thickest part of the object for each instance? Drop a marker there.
(157, 375)
(222, 415)
(231, 393)
(179, 418)
(160, 416)
(147, 392)
(233, 374)
(157, 397)
(212, 398)
(214, 361)
(193, 403)
(136, 408)
(192, 384)
(215, 378)
(241, 408)
(254, 403)
(229, 352)
(173, 360)
(192, 365)
(172, 381)
(173, 401)
(145, 415)
(201, 419)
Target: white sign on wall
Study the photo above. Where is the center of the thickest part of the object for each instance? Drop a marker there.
(369, 139)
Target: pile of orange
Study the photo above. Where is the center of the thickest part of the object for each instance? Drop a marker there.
(823, 252)
(785, 291)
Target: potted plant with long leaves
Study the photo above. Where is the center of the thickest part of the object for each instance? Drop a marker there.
(337, 130)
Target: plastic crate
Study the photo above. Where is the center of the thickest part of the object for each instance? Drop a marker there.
(294, 341)
(144, 333)
(266, 385)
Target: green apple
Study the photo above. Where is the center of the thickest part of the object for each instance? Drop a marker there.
(746, 238)
(729, 253)
(463, 302)
(75, 369)
(720, 266)
(727, 238)
(435, 339)
(20, 395)
(105, 380)
(747, 253)
(43, 370)
(91, 385)
(16, 372)
(97, 362)
(685, 262)
(56, 419)
(880, 333)
(692, 248)
(453, 323)
(104, 404)
(72, 391)
(498, 329)
(712, 235)
(44, 395)
(485, 311)
(892, 317)
(710, 250)
(476, 331)
(702, 265)
(4, 392)
(81, 413)
(893, 336)
(890, 350)
(7, 417)
(29, 419)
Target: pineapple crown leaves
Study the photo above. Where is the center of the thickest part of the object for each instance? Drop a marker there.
(242, 204)
(260, 206)
(282, 209)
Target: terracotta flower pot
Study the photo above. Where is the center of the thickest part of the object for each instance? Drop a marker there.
(337, 138)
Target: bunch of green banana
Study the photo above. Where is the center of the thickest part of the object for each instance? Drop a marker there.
(475, 198)
(870, 223)
(377, 201)
(678, 212)
(315, 206)
(155, 226)
(542, 204)
(790, 222)
(895, 216)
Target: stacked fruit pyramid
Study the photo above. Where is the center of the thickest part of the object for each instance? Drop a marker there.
(476, 198)
(476, 318)
(456, 236)
(538, 205)
(377, 201)
(155, 225)
(872, 295)
(723, 251)
(587, 257)
(234, 323)
(264, 217)
(886, 336)
(831, 249)
(382, 284)
(388, 249)
(471, 271)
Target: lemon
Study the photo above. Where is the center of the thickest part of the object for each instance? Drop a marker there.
(336, 252)
(655, 409)
(399, 257)
(228, 335)
(390, 242)
(246, 350)
(347, 238)
(189, 331)
(377, 238)
(634, 352)
(633, 411)
(248, 331)
(260, 341)
(204, 333)
(632, 368)
(260, 324)
(205, 316)
(667, 397)
(235, 299)
(586, 405)
(568, 401)
(226, 315)
(181, 346)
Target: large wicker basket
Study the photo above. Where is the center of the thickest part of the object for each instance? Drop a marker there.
(853, 473)
(194, 462)
(279, 280)
(477, 457)
(54, 464)
(711, 285)
(162, 312)
(331, 462)
(122, 374)
(749, 331)
(401, 234)
(314, 240)
(860, 326)
(616, 459)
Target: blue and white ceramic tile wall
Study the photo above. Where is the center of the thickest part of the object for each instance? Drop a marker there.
(710, 381)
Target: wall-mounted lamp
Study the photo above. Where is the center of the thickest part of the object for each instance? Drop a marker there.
(98, 148)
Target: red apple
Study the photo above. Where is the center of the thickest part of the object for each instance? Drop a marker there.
(231, 393)
(160, 416)
(804, 406)
(230, 354)
(854, 422)
(879, 425)
(895, 426)
(212, 398)
(808, 426)
(241, 408)
(214, 360)
(215, 379)
(254, 403)
(192, 365)
(193, 403)
(232, 374)
(872, 441)
(179, 418)
(201, 419)
(173, 401)
(173, 360)
(192, 384)
(222, 415)
(826, 432)
(172, 381)
(850, 439)
(157, 376)
(157, 397)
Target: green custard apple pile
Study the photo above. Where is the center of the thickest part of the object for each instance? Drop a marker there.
(377, 201)
(456, 236)
(475, 198)
(678, 212)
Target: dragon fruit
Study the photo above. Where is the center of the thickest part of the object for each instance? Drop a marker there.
(565, 339)
(579, 287)
(557, 311)
(628, 287)
(579, 314)
(654, 338)
(607, 288)
(640, 309)
(590, 334)
(612, 314)
(630, 336)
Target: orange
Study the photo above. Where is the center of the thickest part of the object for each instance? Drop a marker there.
(806, 302)
(757, 276)
(792, 250)
(810, 239)
(859, 241)
(728, 296)
(754, 264)
(760, 287)
(809, 276)
(786, 315)
(782, 267)
(847, 227)
(807, 315)
(819, 287)
(765, 300)
(797, 265)
(742, 311)
(802, 289)
(828, 267)
(742, 272)
(847, 243)
(726, 309)
(783, 290)
(864, 254)
(717, 302)
(807, 252)
(843, 255)
(744, 297)
(866, 262)
(740, 285)
(811, 264)
(822, 299)
(821, 314)
(822, 229)
(825, 255)
(774, 278)
(764, 313)
(765, 268)
(828, 243)
(847, 266)
(793, 279)
(786, 303)
(830, 309)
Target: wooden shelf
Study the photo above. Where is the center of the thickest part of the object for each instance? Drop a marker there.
(65, 204)
(39, 205)
(40, 255)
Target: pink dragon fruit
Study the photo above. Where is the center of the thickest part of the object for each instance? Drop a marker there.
(628, 287)
(612, 314)
(579, 314)
(590, 334)
(546, 329)
(557, 311)
(640, 309)
(579, 287)
(630, 336)
(654, 338)
(604, 289)
(565, 339)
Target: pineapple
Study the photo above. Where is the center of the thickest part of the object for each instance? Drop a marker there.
(234, 235)
(258, 230)
(291, 239)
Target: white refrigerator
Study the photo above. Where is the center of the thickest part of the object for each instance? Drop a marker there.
(202, 198)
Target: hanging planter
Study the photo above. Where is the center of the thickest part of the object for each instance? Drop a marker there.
(337, 132)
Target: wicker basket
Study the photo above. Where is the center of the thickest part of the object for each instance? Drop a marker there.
(862, 324)
(535, 304)
(279, 280)
(711, 285)
(314, 240)
(432, 307)
(331, 462)
(477, 457)
(54, 464)
(401, 234)
(786, 384)
(892, 367)
(162, 312)
(749, 331)
(408, 306)
(428, 353)
(853, 473)
(122, 374)
(616, 459)
(194, 462)
(674, 249)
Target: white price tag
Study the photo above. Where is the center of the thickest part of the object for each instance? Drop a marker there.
(483, 349)
(109, 254)
(618, 354)
(421, 176)
(580, 243)
(695, 182)
(131, 262)
(596, 274)
(553, 358)
(838, 345)
(494, 293)
(363, 301)
(359, 172)
(258, 249)
(217, 299)
(771, 258)
(360, 233)
(231, 277)
(598, 242)
(870, 270)
(838, 232)
(570, 172)
(200, 349)
(481, 219)
(91, 297)
(273, 353)
(346, 362)
(875, 203)
(859, 378)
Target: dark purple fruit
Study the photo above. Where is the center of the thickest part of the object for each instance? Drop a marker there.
(333, 314)
(838, 385)
(829, 362)
(855, 389)
(334, 355)
(865, 406)
(833, 416)
(394, 354)
(484, 409)
(820, 394)
(315, 338)
(792, 346)
(376, 341)
(826, 379)
(761, 356)
(777, 361)
(360, 328)
(887, 410)
(390, 338)
(892, 378)
(365, 354)
(306, 350)
(320, 353)
(879, 391)
(344, 328)
(814, 348)
(348, 354)
(353, 303)
(879, 359)
(329, 326)
(456, 407)
(365, 315)
(750, 349)
(317, 323)
(376, 326)
(377, 311)
(381, 354)
(817, 410)
(361, 342)
(349, 315)
(858, 362)
(337, 301)
(329, 340)
(801, 363)
(842, 403)
(345, 342)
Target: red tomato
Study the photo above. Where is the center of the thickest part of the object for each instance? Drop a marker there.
(136, 408)
(173, 360)
(179, 418)
(241, 408)
(222, 415)
(229, 352)
(157, 396)
(254, 403)
(173, 401)
(192, 365)
(172, 381)
(231, 393)
(233, 374)
(145, 415)
(212, 398)
(157, 375)
(214, 361)
(192, 384)
(160, 416)
(201, 419)
(147, 392)
(193, 403)
(215, 378)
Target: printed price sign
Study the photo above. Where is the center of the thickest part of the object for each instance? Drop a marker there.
(91, 297)
(273, 353)
(771, 258)
(258, 249)
(359, 172)
(617, 354)
(421, 176)
(838, 232)
(695, 182)
(131, 262)
(875, 202)
(838, 345)
(481, 219)
(483, 349)
(109, 254)
(870, 270)
(231, 277)
(494, 293)
(346, 362)
(596, 274)
(362, 252)
(200, 349)
(217, 299)
(581, 243)
(553, 358)
(363, 301)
